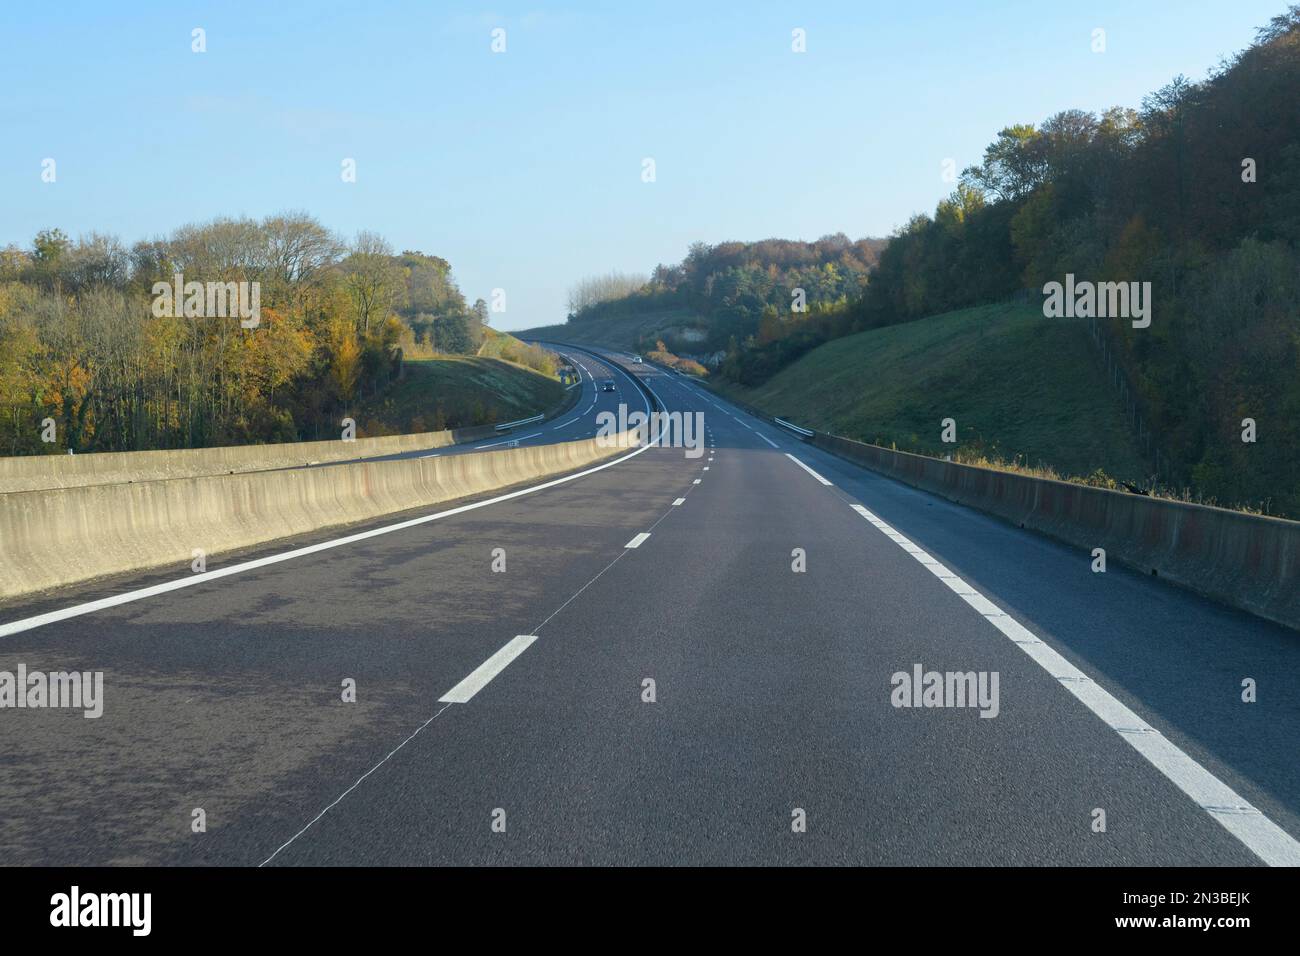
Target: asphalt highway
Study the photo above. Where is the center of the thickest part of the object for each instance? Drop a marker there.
(579, 422)
(685, 660)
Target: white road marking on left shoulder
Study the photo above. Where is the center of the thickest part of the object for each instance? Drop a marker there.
(192, 580)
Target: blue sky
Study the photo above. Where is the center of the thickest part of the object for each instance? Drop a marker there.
(524, 168)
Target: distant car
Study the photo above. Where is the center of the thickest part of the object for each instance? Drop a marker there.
(636, 358)
(607, 385)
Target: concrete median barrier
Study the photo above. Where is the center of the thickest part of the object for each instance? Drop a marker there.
(1248, 561)
(59, 536)
(32, 472)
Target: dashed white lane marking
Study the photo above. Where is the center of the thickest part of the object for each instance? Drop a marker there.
(766, 439)
(1235, 813)
(507, 441)
(184, 582)
(706, 467)
(679, 501)
(696, 481)
(806, 468)
(480, 676)
(703, 396)
(636, 542)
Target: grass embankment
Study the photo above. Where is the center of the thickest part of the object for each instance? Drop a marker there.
(622, 332)
(505, 346)
(458, 391)
(1026, 392)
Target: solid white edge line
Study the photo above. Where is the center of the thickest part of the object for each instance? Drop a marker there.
(479, 677)
(638, 540)
(1235, 813)
(127, 597)
(806, 468)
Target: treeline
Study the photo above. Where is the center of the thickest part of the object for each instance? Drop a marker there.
(722, 295)
(1198, 193)
(594, 290)
(82, 347)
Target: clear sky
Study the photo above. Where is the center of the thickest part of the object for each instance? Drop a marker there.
(524, 168)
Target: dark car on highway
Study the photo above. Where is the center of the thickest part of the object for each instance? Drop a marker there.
(607, 385)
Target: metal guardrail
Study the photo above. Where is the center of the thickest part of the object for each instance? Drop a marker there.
(793, 427)
(506, 426)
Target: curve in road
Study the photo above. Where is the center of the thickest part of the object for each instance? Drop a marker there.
(665, 660)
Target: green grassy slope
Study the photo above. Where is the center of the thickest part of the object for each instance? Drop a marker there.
(623, 332)
(457, 391)
(1020, 387)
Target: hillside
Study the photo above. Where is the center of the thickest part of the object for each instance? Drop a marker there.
(457, 391)
(93, 340)
(721, 295)
(626, 332)
(1019, 386)
(1191, 195)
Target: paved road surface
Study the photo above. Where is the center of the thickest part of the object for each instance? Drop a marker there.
(580, 422)
(773, 688)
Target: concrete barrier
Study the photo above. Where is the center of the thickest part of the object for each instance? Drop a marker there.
(58, 536)
(33, 472)
(1248, 561)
